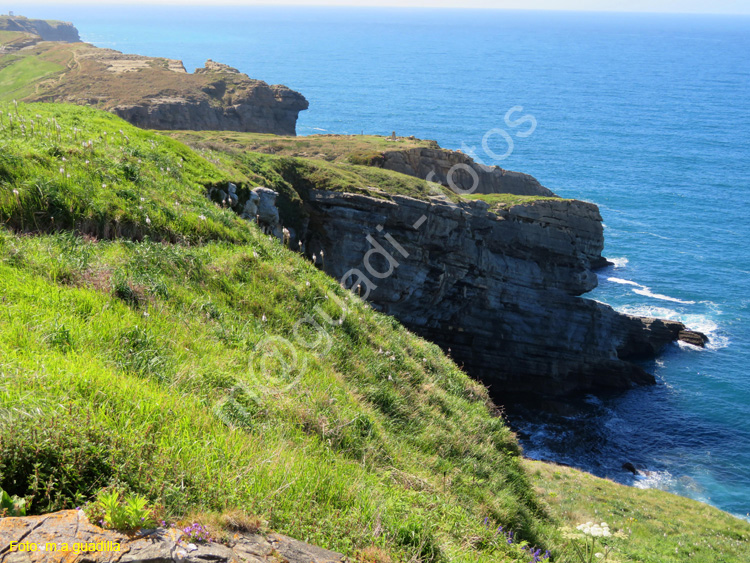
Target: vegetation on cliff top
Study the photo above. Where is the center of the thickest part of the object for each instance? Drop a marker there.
(162, 366)
(149, 338)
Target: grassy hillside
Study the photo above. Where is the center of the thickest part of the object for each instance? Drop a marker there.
(171, 364)
(660, 527)
(150, 338)
(332, 148)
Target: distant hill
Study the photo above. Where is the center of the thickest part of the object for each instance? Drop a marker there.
(48, 30)
(44, 61)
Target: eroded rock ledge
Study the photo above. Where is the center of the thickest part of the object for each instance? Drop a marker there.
(499, 289)
(149, 92)
(162, 545)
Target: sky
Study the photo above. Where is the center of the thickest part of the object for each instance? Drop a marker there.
(670, 6)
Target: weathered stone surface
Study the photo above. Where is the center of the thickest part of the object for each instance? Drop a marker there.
(156, 93)
(71, 528)
(441, 165)
(500, 290)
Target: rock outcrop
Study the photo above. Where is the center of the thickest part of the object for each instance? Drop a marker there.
(47, 30)
(452, 167)
(157, 93)
(499, 289)
(43, 539)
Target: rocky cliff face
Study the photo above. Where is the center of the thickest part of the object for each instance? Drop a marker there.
(499, 290)
(440, 165)
(251, 106)
(47, 30)
(156, 93)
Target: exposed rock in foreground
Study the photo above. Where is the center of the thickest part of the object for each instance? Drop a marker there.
(499, 289)
(152, 546)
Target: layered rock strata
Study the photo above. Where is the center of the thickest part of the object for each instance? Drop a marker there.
(460, 172)
(500, 290)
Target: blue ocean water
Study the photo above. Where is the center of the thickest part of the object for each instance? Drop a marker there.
(646, 115)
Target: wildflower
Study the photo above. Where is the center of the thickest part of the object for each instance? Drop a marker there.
(264, 318)
(87, 162)
(148, 221)
(307, 284)
(15, 192)
(62, 170)
(143, 199)
(104, 185)
(63, 159)
(202, 217)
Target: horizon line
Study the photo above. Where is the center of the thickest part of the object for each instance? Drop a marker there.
(343, 4)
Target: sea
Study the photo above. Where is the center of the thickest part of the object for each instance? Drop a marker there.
(646, 115)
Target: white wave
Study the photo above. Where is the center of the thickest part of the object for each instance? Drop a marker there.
(624, 282)
(662, 480)
(646, 291)
(618, 263)
(699, 323)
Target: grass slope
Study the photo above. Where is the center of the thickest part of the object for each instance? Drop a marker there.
(150, 338)
(661, 527)
(166, 359)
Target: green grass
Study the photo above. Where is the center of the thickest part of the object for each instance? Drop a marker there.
(146, 361)
(659, 527)
(504, 201)
(332, 148)
(17, 80)
(11, 36)
(151, 340)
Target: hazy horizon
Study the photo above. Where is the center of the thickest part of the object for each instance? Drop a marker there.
(720, 7)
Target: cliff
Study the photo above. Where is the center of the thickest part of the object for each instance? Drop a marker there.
(152, 93)
(421, 162)
(494, 277)
(498, 289)
(47, 30)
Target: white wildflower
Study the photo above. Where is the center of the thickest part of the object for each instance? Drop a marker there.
(148, 221)
(62, 170)
(15, 192)
(264, 318)
(202, 217)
